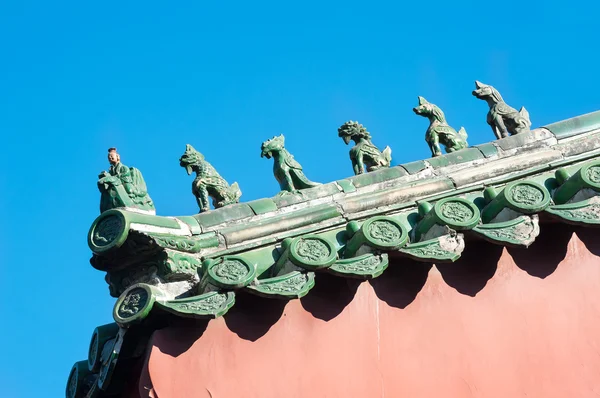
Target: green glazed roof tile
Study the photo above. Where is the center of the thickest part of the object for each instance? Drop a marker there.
(438, 161)
(378, 176)
(228, 213)
(414, 167)
(487, 149)
(574, 126)
(346, 185)
(463, 156)
(320, 191)
(520, 140)
(262, 206)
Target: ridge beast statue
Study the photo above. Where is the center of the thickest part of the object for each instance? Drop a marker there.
(363, 154)
(439, 131)
(288, 172)
(123, 186)
(502, 118)
(208, 183)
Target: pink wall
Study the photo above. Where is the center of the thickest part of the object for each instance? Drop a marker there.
(498, 323)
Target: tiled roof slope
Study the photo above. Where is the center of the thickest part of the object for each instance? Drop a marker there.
(192, 266)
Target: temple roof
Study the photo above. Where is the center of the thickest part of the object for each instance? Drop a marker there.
(428, 210)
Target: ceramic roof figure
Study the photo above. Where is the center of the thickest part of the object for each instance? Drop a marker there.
(502, 118)
(208, 183)
(364, 155)
(288, 172)
(123, 186)
(439, 131)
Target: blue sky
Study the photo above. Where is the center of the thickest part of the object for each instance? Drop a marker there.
(148, 78)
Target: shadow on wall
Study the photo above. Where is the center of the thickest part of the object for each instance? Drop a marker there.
(179, 336)
(550, 248)
(476, 266)
(590, 238)
(252, 316)
(330, 296)
(401, 282)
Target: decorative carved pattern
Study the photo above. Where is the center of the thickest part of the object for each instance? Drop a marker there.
(590, 213)
(520, 232)
(384, 231)
(363, 267)
(107, 230)
(526, 194)
(181, 263)
(209, 304)
(293, 285)
(289, 285)
(445, 248)
(584, 213)
(133, 303)
(428, 251)
(312, 250)
(593, 174)
(231, 270)
(456, 211)
(180, 243)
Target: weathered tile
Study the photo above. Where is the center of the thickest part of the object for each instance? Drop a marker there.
(228, 213)
(488, 149)
(520, 140)
(378, 176)
(414, 167)
(262, 206)
(574, 126)
(346, 185)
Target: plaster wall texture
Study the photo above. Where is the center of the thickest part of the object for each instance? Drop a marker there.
(497, 323)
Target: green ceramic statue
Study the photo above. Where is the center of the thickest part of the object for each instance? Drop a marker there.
(502, 118)
(439, 131)
(364, 154)
(123, 186)
(208, 183)
(287, 170)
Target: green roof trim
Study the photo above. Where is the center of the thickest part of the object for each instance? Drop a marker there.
(262, 206)
(346, 186)
(380, 175)
(504, 192)
(414, 167)
(488, 149)
(576, 125)
(229, 213)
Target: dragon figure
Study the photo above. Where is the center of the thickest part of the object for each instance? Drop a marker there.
(123, 186)
(364, 154)
(502, 118)
(287, 170)
(439, 131)
(208, 183)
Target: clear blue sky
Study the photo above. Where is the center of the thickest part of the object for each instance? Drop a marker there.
(149, 77)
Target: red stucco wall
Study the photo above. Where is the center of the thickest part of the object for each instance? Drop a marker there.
(498, 323)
